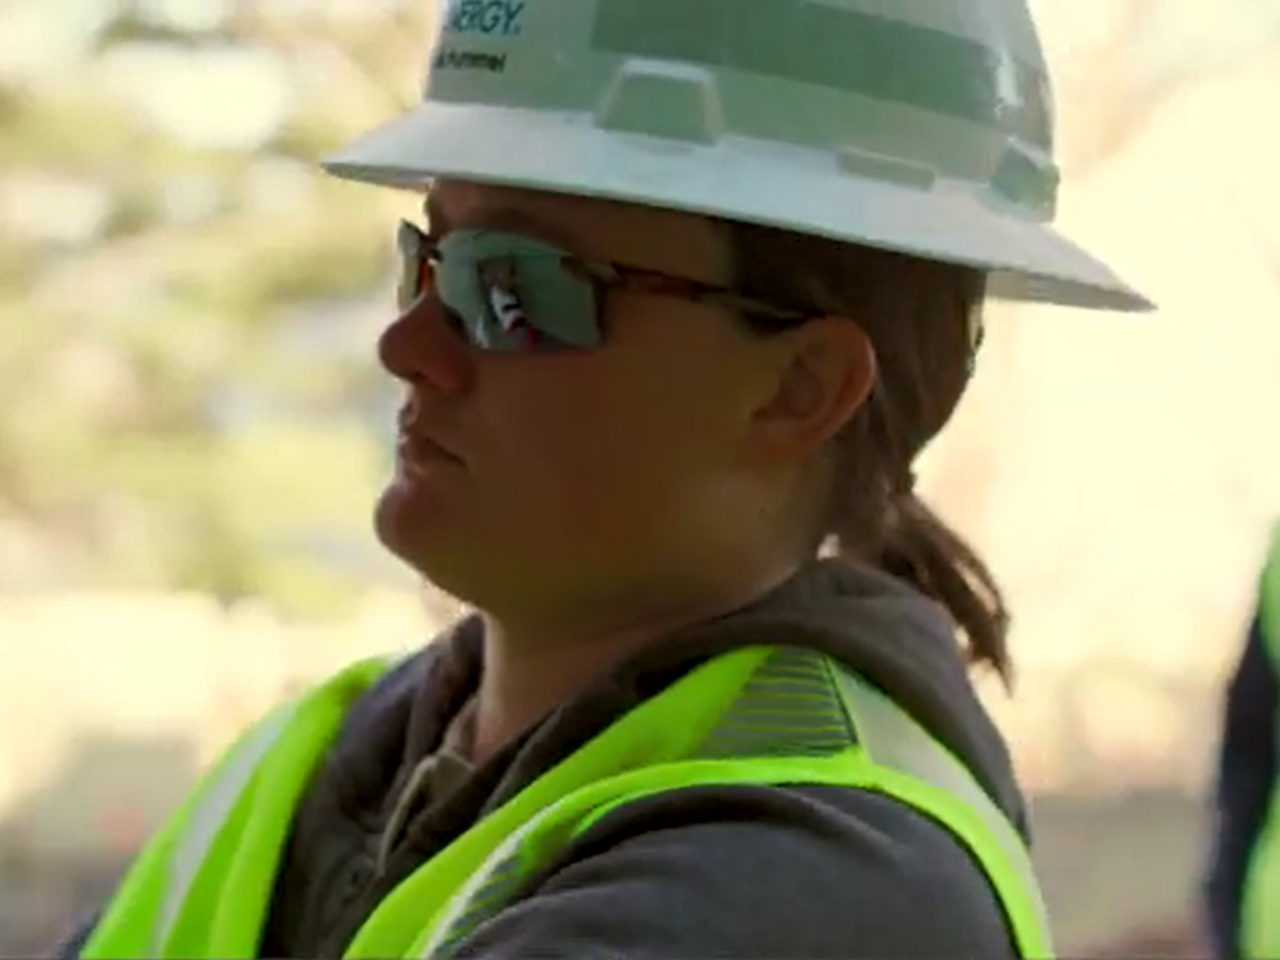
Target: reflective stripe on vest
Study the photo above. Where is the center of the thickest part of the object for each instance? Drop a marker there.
(760, 715)
(202, 885)
(1260, 907)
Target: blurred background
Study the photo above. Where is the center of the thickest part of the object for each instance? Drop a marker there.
(192, 427)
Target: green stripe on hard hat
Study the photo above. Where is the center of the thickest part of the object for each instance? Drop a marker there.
(923, 126)
(843, 49)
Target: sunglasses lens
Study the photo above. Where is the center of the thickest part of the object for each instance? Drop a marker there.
(415, 268)
(509, 293)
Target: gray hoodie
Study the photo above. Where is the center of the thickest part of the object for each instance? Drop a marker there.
(735, 871)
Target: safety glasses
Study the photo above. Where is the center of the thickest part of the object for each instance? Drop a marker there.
(513, 293)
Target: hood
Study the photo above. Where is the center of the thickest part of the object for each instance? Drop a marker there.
(890, 634)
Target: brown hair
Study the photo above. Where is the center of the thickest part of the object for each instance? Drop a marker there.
(920, 316)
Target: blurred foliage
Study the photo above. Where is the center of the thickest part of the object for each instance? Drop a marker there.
(188, 306)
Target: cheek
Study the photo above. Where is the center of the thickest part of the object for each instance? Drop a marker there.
(598, 453)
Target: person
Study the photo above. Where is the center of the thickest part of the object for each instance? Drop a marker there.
(1242, 879)
(714, 696)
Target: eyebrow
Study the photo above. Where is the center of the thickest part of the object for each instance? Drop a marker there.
(502, 218)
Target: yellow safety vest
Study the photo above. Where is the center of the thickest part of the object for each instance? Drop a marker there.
(758, 715)
(1260, 909)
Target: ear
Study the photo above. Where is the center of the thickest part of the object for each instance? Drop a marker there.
(826, 370)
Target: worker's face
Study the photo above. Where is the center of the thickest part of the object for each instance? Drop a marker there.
(531, 479)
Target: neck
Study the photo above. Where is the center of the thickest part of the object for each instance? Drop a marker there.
(530, 668)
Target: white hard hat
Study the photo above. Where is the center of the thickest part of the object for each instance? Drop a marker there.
(923, 126)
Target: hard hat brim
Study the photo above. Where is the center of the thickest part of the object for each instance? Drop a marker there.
(752, 181)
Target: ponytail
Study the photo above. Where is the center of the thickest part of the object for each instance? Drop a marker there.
(875, 516)
(918, 547)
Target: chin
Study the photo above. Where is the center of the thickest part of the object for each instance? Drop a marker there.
(478, 563)
(415, 533)
(404, 527)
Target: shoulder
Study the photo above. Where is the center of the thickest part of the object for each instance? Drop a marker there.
(1268, 608)
(752, 871)
(1254, 687)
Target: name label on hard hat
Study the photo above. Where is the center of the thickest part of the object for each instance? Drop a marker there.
(491, 18)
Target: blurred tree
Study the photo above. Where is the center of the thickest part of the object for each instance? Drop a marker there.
(169, 416)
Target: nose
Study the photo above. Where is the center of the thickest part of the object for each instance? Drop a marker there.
(419, 347)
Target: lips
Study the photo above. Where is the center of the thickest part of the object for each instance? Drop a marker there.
(419, 448)
(418, 442)
(416, 446)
